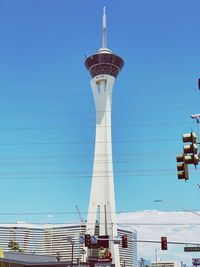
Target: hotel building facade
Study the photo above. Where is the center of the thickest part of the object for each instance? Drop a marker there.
(54, 239)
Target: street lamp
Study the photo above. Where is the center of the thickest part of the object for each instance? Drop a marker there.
(72, 243)
(69, 239)
(172, 204)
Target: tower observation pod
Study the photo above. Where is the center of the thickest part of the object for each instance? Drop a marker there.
(104, 66)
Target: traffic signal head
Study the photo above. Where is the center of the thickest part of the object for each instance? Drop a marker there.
(163, 242)
(190, 150)
(189, 137)
(192, 159)
(182, 168)
(87, 241)
(124, 241)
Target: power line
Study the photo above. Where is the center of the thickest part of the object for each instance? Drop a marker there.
(74, 160)
(74, 175)
(86, 212)
(89, 95)
(64, 113)
(20, 164)
(81, 156)
(104, 173)
(80, 177)
(21, 224)
(119, 212)
(88, 142)
(89, 127)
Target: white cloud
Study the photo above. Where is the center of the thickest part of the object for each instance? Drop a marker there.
(50, 216)
(177, 226)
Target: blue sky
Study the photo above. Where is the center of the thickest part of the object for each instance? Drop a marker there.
(47, 114)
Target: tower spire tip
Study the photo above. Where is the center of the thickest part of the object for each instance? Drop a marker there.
(104, 27)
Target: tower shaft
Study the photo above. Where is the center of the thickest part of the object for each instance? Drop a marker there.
(104, 67)
(102, 197)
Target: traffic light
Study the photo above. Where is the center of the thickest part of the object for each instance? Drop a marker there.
(190, 150)
(163, 242)
(87, 241)
(124, 241)
(182, 168)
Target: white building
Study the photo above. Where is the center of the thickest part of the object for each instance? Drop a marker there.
(50, 239)
(166, 264)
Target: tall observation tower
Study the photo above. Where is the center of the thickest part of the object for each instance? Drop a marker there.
(104, 66)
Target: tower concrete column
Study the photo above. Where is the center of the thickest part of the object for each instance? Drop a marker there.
(104, 66)
(102, 197)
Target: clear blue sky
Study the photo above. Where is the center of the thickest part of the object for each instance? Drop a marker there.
(47, 114)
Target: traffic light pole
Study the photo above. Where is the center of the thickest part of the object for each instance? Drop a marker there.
(156, 255)
(198, 130)
(197, 118)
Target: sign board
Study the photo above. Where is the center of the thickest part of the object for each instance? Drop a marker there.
(191, 249)
(94, 239)
(102, 264)
(98, 260)
(196, 261)
(117, 240)
(82, 239)
(102, 241)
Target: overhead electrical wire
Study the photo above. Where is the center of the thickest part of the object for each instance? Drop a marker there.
(64, 113)
(104, 173)
(24, 224)
(87, 142)
(80, 156)
(80, 177)
(90, 126)
(127, 174)
(133, 92)
(19, 164)
(119, 212)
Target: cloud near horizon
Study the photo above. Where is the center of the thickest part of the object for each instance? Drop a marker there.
(177, 226)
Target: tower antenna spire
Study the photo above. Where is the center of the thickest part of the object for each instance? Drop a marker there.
(104, 27)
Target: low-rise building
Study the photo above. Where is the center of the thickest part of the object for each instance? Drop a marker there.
(62, 240)
(166, 264)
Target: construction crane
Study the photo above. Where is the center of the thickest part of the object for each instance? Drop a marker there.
(79, 214)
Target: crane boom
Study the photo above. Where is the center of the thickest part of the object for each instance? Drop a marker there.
(79, 214)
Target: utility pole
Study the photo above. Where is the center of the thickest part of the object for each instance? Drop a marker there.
(72, 258)
(156, 255)
(197, 118)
